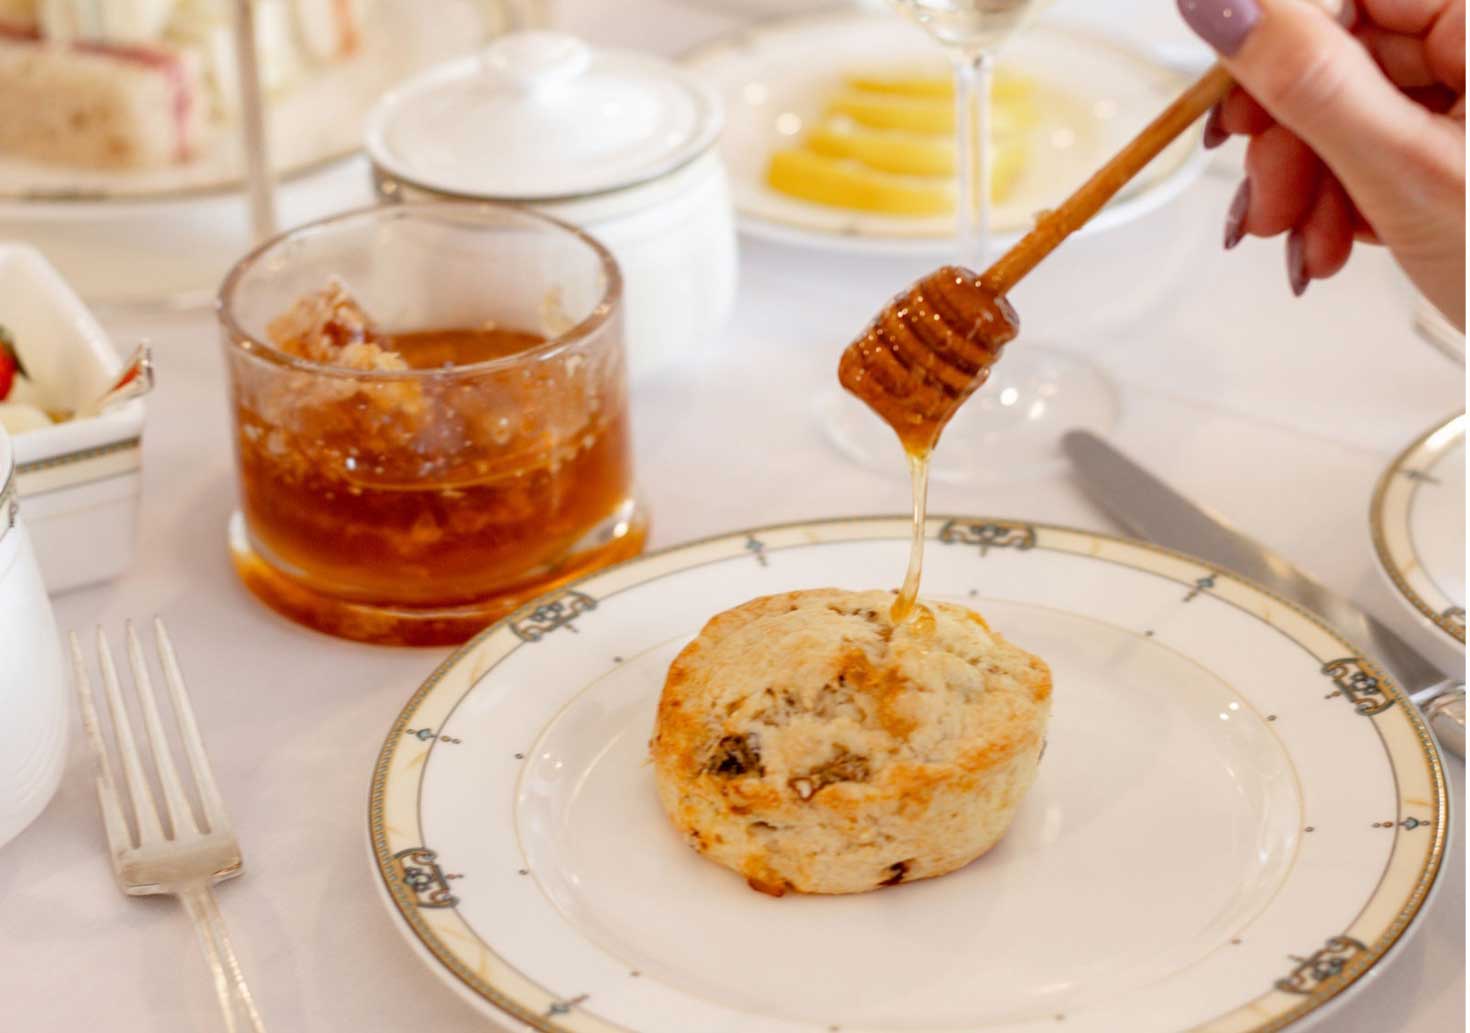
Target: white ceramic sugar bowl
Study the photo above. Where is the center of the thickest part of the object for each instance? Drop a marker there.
(618, 143)
(32, 685)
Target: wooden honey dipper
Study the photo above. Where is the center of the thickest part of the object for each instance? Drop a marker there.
(933, 345)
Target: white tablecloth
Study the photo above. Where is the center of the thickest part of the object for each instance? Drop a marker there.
(1277, 413)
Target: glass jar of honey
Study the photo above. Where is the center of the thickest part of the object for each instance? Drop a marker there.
(431, 418)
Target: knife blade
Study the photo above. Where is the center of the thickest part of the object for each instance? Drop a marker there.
(1148, 508)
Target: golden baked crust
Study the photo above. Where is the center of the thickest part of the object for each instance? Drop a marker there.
(806, 742)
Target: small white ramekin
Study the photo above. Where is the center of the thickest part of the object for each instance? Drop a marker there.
(79, 481)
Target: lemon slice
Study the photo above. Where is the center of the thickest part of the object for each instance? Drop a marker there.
(843, 183)
(924, 114)
(1007, 162)
(886, 150)
(932, 87)
(1007, 88)
(882, 111)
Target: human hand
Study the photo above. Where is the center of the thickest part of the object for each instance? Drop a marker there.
(1357, 132)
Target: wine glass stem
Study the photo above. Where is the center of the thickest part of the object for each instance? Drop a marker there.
(973, 71)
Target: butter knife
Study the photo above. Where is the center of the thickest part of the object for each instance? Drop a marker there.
(1148, 508)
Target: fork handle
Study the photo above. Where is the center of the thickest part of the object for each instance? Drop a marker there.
(235, 1000)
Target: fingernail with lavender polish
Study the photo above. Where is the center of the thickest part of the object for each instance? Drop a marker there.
(1235, 220)
(1214, 134)
(1223, 24)
(1296, 262)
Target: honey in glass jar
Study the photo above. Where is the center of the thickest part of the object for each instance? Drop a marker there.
(412, 481)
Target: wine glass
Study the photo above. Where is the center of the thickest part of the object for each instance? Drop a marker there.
(1034, 394)
(972, 31)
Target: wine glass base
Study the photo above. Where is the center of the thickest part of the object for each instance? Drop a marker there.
(1010, 430)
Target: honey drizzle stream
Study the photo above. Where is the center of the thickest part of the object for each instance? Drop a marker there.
(928, 350)
(903, 606)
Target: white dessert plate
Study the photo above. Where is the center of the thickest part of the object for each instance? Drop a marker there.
(1235, 820)
(318, 122)
(1418, 523)
(1093, 93)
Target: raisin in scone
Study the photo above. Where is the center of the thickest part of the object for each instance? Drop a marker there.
(809, 744)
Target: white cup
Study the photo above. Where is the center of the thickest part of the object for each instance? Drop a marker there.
(32, 683)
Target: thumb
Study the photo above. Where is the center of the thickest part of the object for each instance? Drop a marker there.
(1318, 81)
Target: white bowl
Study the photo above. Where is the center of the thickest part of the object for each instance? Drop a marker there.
(79, 481)
(530, 121)
(674, 240)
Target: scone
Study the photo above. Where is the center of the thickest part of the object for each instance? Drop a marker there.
(809, 744)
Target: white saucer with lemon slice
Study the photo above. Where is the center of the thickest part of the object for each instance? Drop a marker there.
(839, 129)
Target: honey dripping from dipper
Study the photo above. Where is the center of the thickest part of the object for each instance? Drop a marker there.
(932, 347)
(927, 352)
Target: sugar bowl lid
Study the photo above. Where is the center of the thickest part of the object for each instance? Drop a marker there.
(540, 116)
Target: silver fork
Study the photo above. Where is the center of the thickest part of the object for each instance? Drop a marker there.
(189, 857)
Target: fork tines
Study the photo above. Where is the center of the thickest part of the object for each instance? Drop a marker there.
(181, 818)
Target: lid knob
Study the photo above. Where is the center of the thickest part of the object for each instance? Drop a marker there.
(532, 61)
